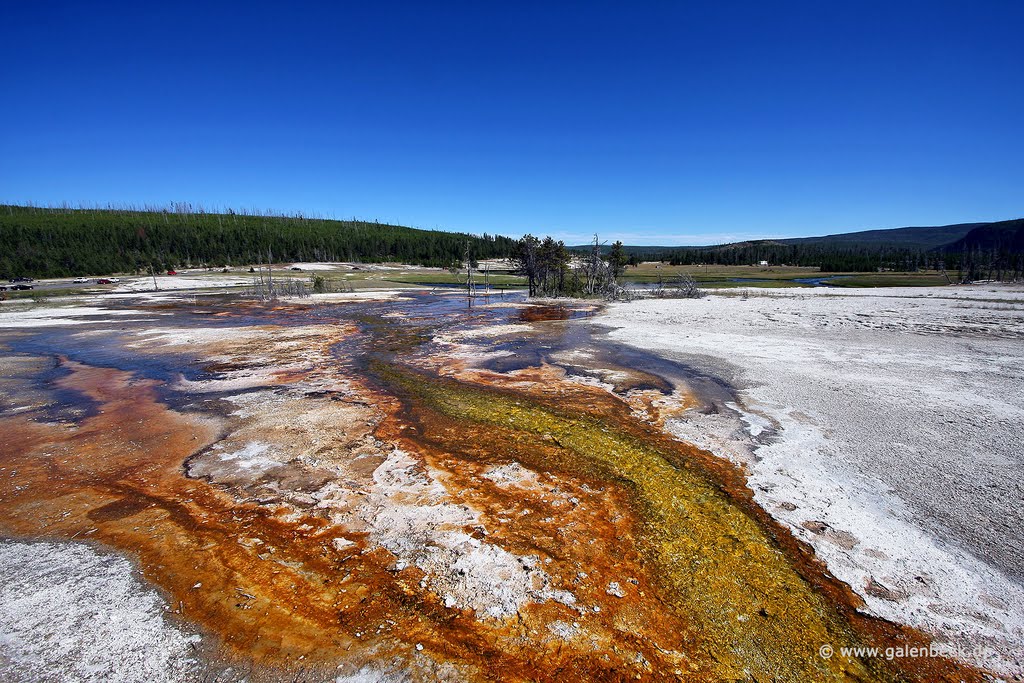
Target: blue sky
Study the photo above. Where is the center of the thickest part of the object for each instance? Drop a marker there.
(654, 123)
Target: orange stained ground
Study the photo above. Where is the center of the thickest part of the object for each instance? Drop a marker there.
(267, 583)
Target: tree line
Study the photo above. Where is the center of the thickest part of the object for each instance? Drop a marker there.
(62, 241)
(833, 258)
(65, 241)
(969, 262)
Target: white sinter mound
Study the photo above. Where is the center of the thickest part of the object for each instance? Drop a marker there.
(68, 613)
(900, 443)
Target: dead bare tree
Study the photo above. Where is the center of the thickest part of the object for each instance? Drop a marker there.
(468, 263)
(685, 287)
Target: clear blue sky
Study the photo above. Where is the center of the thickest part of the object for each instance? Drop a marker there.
(649, 122)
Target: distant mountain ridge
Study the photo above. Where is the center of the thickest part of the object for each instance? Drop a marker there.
(996, 246)
(1002, 236)
(911, 237)
(923, 238)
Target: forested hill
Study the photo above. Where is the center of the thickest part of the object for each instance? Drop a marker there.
(907, 238)
(50, 242)
(943, 237)
(1005, 236)
(965, 245)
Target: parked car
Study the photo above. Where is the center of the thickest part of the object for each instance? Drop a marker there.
(104, 281)
(22, 287)
(296, 268)
(80, 280)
